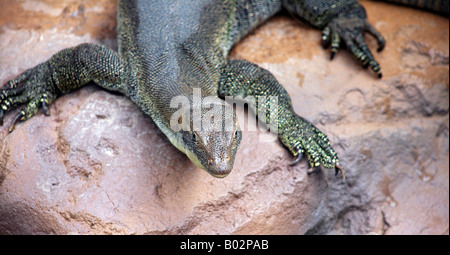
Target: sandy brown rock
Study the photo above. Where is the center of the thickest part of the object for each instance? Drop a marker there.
(98, 165)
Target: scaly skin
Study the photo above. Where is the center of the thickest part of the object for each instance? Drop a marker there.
(178, 49)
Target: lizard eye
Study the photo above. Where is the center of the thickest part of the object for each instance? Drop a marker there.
(236, 134)
(194, 137)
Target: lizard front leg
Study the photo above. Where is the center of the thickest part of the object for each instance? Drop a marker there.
(65, 71)
(242, 78)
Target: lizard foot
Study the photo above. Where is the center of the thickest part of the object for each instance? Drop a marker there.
(350, 27)
(34, 88)
(301, 137)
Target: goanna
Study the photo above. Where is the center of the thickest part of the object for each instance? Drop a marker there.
(173, 49)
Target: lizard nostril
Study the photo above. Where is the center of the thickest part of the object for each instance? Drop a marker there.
(211, 161)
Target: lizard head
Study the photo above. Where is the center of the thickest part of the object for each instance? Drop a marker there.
(213, 136)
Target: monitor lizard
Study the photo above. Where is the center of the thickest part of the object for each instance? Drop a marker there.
(178, 49)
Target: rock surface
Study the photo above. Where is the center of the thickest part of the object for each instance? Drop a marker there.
(98, 165)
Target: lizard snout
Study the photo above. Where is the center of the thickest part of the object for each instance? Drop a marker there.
(219, 167)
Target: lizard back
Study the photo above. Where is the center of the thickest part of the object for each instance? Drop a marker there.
(171, 47)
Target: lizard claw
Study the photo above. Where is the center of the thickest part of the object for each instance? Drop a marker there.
(297, 159)
(45, 108)
(313, 170)
(338, 168)
(2, 113)
(333, 53)
(14, 121)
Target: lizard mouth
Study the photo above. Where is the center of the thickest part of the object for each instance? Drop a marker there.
(220, 175)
